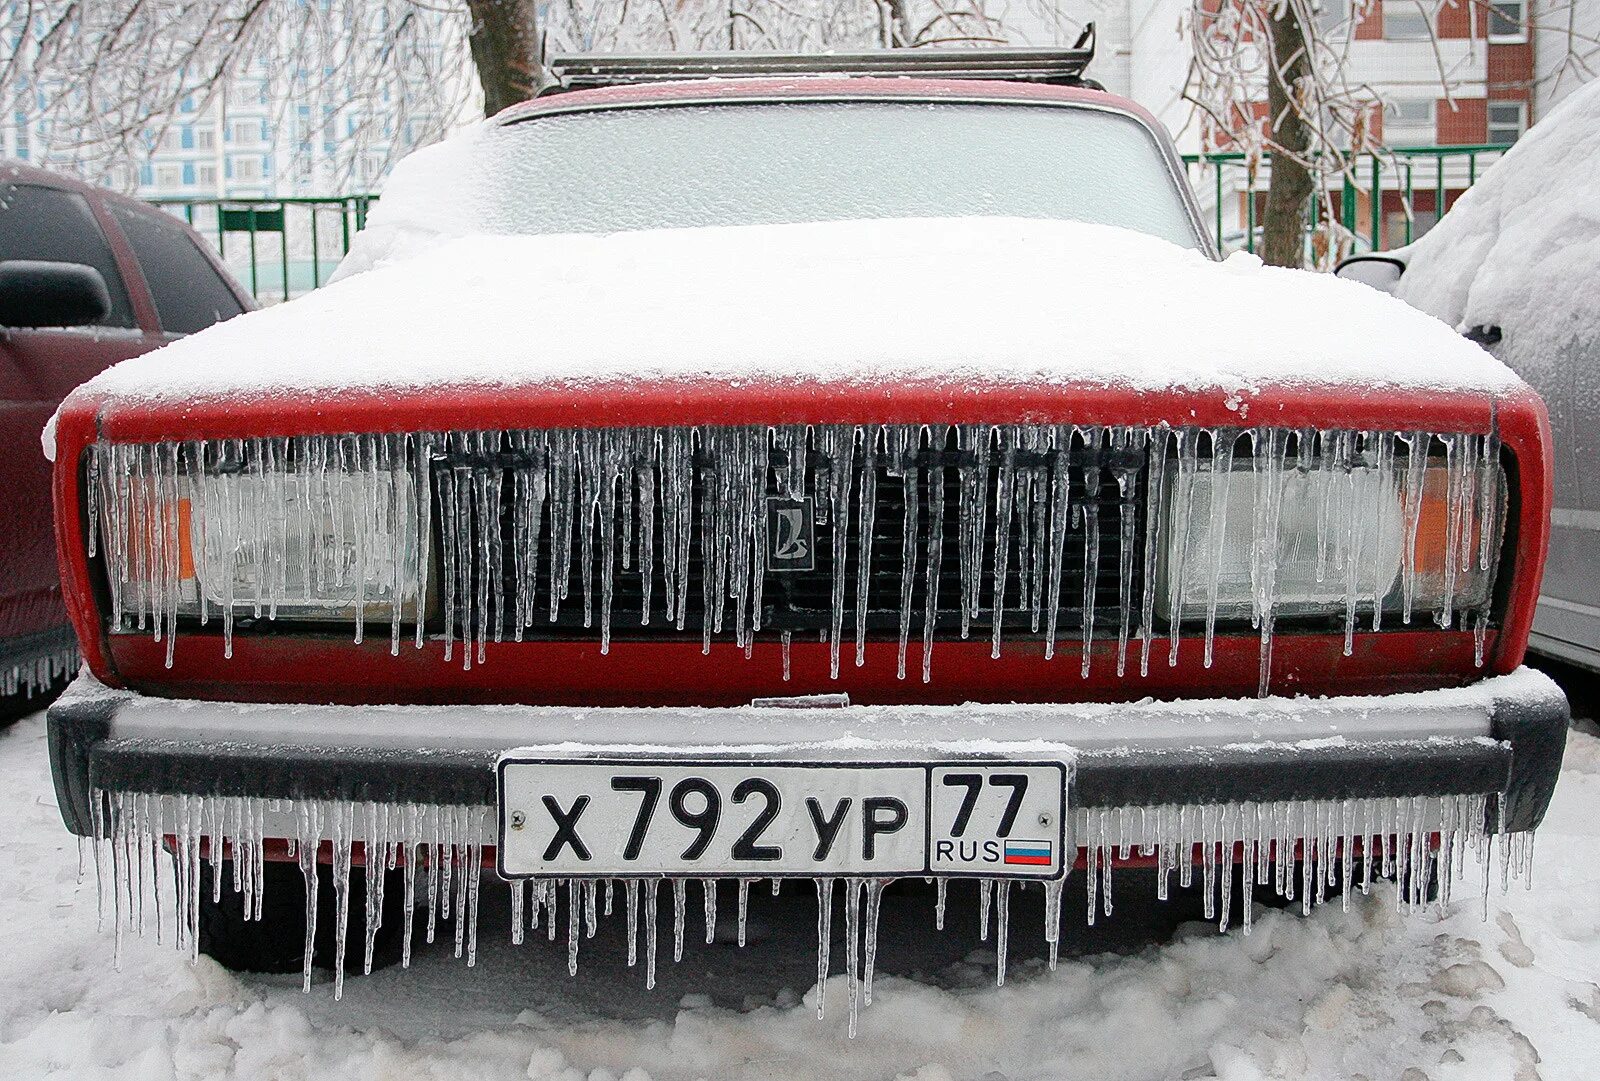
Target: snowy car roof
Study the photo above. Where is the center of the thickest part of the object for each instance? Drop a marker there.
(1519, 249)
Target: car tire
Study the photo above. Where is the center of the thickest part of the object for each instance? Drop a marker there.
(276, 941)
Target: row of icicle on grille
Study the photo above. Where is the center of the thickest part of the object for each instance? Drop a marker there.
(612, 490)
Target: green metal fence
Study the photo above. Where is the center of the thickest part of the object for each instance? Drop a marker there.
(280, 248)
(1381, 199)
(283, 247)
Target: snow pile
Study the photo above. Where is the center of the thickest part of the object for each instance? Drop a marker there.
(1333, 996)
(1520, 249)
(964, 301)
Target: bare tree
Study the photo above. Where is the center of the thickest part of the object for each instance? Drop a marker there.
(102, 80)
(1288, 76)
(1273, 79)
(504, 36)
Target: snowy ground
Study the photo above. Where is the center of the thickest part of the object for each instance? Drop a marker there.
(1363, 993)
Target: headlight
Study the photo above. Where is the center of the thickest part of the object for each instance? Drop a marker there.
(1370, 538)
(302, 547)
(334, 542)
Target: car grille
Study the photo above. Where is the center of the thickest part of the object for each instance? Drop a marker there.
(681, 535)
(734, 534)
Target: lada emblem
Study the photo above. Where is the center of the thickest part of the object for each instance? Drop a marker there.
(791, 534)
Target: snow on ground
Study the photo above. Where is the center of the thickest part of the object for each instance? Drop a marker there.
(1364, 993)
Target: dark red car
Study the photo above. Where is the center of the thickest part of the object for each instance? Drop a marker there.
(87, 278)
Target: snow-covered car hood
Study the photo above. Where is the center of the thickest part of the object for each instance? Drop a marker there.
(1520, 249)
(960, 301)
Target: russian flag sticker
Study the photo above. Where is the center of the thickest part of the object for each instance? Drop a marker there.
(1031, 853)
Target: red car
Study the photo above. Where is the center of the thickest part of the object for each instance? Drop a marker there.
(87, 278)
(720, 469)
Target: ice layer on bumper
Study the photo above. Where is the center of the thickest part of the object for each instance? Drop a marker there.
(1305, 794)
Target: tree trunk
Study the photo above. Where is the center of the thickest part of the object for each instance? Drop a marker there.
(894, 24)
(1284, 223)
(504, 38)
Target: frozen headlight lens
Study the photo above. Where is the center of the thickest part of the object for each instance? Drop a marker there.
(308, 547)
(1355, 540)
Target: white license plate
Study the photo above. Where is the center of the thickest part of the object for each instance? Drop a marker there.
(642, 817)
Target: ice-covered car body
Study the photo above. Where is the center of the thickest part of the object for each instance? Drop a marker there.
(1511, 265)
(1034, 540)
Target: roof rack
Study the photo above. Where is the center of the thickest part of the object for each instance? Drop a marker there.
(1062, 66)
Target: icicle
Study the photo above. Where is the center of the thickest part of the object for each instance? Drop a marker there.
(1091, 438)
(985, 897)
(651, 885)
(574, 932)
(1221, 470)
(1052, 918)
(373, 880)
(474, 874)
(852, 939)
(1092, 863)
(974, 440)
(1125, 462)
(838, 449)
(1183, 528)
(307, 841)
(1417, 444)
(708, 887)
(1002, 929)
(864, 543)
(1268, 451)
(632, 905)
(744, 908)
(935, 560)
(519, 900)
(824, 938)
(904, 452)
(679, 903)
(875, 888)
(1006, 477)
(1156, 472)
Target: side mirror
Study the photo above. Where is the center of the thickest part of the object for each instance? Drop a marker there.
(1382, 272)
(39, 294)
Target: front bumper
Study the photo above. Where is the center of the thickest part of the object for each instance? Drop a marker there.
(1502, 737)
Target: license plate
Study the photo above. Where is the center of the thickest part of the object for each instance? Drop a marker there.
(642, 817)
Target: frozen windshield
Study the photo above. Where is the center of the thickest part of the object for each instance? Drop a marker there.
(678, 166)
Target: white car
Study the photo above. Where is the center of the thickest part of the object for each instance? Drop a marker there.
(1513, 266)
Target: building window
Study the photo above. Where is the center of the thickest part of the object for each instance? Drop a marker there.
(1508, 20)
(1333, 18)
(1507, 121)
(168, 176)
(246, 94)
(1408, 121)
(206, 174)
(247, 169)
(1406, 20)
(205, 138)
(246, 132)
